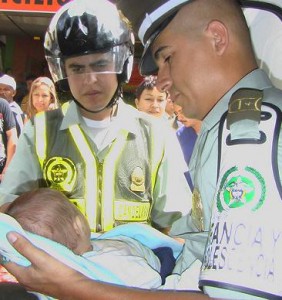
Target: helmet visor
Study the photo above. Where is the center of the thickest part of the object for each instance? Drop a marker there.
(108, 62)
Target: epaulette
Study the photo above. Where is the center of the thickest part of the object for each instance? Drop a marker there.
(244, 104)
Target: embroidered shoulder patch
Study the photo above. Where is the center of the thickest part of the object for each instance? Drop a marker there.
(241, 188)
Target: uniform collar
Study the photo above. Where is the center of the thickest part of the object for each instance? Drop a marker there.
(72, 116)
(256, 79)
(123, 117)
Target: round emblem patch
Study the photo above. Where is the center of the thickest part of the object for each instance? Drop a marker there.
(241, 188)
(61, 173)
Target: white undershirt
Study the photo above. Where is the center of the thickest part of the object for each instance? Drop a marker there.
(98, 130)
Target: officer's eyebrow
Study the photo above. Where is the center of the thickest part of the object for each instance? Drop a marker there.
(157, 54)
(75, 65)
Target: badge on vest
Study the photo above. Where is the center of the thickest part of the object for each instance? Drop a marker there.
(197, 210)
(137, 180)
(60, 172)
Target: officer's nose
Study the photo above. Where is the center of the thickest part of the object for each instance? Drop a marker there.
(90, 77)
(164, 81)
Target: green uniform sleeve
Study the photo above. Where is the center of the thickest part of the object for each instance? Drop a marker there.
(23, 173)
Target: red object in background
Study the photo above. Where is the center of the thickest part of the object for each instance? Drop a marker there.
(136, 78)
(49, 6)
(5, 276)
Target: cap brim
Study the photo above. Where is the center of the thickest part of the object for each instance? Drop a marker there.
(147, 65)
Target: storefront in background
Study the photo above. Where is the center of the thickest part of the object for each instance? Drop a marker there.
(23, 54)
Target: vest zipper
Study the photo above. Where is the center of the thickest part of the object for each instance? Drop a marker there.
(100, 208)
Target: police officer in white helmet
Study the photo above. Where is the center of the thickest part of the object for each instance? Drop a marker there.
(115, 164)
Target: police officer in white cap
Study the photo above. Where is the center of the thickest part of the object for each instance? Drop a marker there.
(203, 54)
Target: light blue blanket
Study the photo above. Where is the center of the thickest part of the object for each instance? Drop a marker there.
(145, 234)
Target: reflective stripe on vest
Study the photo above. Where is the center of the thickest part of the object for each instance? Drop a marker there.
(91, 188)
(156, 157)
(40, 137)
(95, 183)
(108, 185)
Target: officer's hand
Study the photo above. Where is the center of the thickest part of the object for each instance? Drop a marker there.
(46, 275)
(4, 207)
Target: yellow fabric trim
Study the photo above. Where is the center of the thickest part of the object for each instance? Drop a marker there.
(65, 107)
(40, 137)
(109, 168)
(157, 151)
(91, 188)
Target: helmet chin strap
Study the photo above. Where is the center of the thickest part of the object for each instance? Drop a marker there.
(111, 103)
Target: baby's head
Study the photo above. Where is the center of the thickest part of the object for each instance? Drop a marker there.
(49, 213)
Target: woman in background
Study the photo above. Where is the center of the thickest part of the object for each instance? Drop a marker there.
(149, 99)
(42, 96)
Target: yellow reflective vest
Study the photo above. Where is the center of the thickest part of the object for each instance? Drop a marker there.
(110, 192)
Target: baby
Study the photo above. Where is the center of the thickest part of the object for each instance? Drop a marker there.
(49, 213)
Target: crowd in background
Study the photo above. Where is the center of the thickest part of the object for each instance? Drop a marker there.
(41, 96)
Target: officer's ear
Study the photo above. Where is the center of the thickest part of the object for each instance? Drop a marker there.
(218, 33)
(136, 102)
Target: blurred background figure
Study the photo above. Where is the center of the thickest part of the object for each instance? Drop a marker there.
(187, 136)
(194, 124)
(42, 96)
(8, 89)
(8, 136)
(29, 79)
(171, 115)
(149, 99)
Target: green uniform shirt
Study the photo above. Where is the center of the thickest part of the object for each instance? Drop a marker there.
(204, 162)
